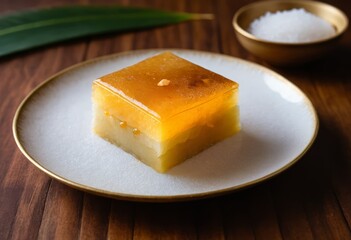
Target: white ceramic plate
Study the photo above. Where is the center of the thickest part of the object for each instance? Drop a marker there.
(52, 127)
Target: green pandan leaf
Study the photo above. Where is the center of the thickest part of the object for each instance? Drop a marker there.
(28, 29)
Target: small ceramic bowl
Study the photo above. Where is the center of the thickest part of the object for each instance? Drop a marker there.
(282, 54)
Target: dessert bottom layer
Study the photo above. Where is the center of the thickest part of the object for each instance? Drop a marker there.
(161, 156)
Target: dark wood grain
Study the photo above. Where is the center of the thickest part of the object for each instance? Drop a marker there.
(165, 221)
(311, 200)
(121, 220)
(62, 213)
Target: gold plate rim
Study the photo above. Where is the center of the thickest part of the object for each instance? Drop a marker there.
(155, 198)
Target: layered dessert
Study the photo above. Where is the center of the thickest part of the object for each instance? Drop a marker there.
(165, 109)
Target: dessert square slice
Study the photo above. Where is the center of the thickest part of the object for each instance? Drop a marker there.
(165, 109)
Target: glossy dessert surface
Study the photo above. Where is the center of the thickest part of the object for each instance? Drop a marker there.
(165, 109)
(160, 91)
(186, 84)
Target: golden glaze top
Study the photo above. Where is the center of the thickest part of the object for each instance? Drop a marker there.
(166, 84)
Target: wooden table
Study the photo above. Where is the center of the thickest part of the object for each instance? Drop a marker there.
(311, 200)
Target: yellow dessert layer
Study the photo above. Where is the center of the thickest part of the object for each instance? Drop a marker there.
(156, 128)
(163, 155)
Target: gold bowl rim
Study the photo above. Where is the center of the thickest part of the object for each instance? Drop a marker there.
(298, 3)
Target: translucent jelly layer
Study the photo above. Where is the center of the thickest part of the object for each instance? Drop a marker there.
(192, 94)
